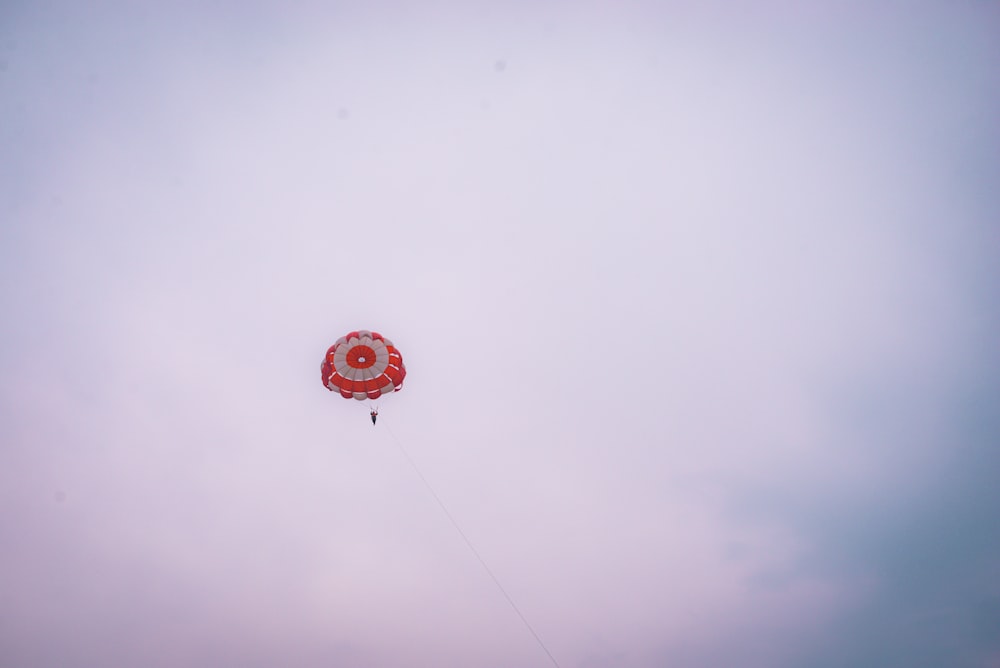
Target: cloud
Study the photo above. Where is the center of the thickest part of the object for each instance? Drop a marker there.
(696, 307)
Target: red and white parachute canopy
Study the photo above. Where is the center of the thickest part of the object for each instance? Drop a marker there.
(363, 365)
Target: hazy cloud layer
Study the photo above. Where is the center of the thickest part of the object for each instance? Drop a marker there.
(699, 307)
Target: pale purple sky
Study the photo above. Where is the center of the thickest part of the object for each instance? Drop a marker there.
(699, 303)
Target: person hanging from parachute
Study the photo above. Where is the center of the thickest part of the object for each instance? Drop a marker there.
(363, 365)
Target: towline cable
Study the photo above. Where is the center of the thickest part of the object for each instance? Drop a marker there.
(472, 547)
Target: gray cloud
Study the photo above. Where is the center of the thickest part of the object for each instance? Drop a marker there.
(697, 308)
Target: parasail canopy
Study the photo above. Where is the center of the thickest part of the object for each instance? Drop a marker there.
(363, 365)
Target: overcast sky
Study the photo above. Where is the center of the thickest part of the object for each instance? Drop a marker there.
(698, 301)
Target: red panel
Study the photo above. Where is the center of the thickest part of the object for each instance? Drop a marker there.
(355, 354)
(395, 375)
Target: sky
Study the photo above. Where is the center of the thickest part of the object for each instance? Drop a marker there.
(698, 302)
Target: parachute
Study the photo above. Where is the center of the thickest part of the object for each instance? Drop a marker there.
(363, 365)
